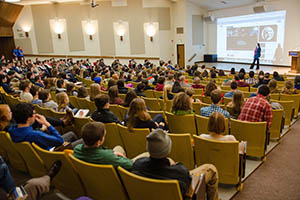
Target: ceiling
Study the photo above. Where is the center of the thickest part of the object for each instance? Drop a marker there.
(211, 5)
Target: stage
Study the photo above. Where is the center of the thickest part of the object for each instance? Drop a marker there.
(228, 66)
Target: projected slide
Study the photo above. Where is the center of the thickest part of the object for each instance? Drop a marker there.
(237, 37)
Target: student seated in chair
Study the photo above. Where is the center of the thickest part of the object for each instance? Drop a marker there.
(34, 187)
(216, 97)
(92, 151)
(158, 166)
(216, 129)
(24, 115)
(102, 114)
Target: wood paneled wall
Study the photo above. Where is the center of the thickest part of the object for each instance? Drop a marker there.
(8, 15)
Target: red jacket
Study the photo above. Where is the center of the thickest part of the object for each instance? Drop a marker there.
(159, 87)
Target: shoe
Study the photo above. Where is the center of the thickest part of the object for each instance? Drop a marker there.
(54, 169)
(68, 118)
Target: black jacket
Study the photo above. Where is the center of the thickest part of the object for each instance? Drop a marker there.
(123, 90)
(105, 116)
(161, 169)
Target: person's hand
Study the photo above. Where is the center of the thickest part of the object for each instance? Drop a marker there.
(156, 124)
(119, 154)
(162, 124)
(42, 120)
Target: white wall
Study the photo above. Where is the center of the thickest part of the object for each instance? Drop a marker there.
(292, 30)
(178, 20)
(190, 49)
(162, 39)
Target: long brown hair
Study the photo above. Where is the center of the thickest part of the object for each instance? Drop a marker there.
(113, 93)
(137, 110)
(181, 101)
(237, 101)
(209, 88)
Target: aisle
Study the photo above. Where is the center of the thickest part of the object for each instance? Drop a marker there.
(279, 177)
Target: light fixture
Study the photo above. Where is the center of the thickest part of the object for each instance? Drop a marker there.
(151, 30)
(12, 1)
(58, 28)
(121, 30)
(26, 29)
(90, 29)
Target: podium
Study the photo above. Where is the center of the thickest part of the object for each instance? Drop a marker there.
(295, 67)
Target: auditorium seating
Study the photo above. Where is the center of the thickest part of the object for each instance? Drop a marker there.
(67, 179)
(182, 150)
(148, 189)
(181, 124)
(100, 181)
(224, 155)
(15, 159)
(34, 163)
(184, 129)
(255, 133)
(135, 141)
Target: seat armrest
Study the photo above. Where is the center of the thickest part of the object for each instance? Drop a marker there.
(197, 189)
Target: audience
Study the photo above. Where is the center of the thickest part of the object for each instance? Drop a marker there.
(94, 91)
(160, 84)
(45, 96)
(158, 166)
(138, 117)
(182, 104)
(34, 90)
(93, 151)
(233, 87)
(288, 88)
(297, 82)
(24, 115)
(273, 86)
(258, 109)
(216, 129)
(102, 114)
(216, 97)
(83, 93)
(25, 94)
(114, 96)
(236, 105)
(197, 84)
(129, 97)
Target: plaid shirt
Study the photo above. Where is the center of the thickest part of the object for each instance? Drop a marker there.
(207, 111)
(257, 109)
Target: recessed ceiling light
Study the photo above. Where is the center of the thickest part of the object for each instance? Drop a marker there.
(12, 0)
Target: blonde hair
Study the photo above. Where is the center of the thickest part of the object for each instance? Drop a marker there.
(167, 90)
(62, 100)
(94, 91)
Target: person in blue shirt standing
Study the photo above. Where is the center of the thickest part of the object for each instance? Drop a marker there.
(257, 54)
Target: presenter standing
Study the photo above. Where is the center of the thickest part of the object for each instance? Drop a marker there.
(256, 56)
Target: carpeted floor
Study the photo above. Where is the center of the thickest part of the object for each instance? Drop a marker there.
(279, 176)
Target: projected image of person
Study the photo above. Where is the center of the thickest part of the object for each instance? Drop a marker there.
(257, 54)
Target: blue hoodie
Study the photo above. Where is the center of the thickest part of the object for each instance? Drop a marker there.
(43, 140)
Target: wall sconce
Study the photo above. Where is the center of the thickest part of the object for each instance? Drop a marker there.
(90, 30)
(151, 31)
(26, 29)
(121, 30)
(58, 28)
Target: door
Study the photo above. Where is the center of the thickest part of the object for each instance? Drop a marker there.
(180, 55)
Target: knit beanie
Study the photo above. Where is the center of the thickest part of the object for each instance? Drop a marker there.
(158, 144)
